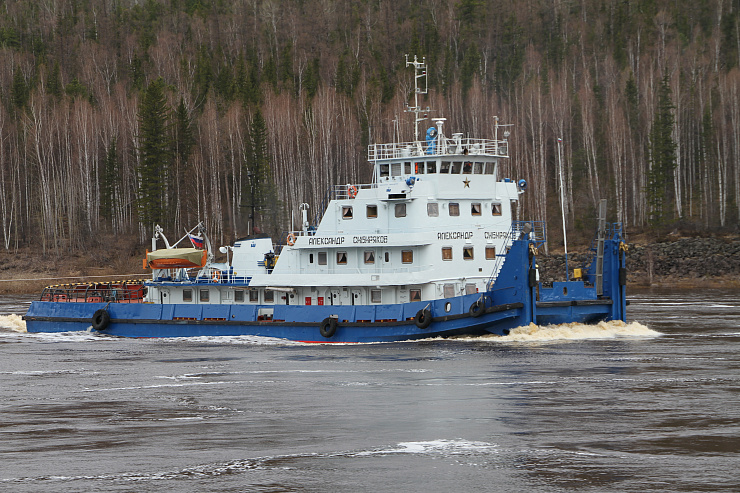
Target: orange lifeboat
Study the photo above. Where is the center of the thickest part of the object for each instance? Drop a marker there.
(175, 258)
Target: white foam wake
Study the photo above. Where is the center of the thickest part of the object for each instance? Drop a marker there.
(576, 331)
(441, 446)
(12, 322)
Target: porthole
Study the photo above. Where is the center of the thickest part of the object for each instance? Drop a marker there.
(448, 307)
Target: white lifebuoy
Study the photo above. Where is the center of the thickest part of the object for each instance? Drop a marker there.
(352, 191)
(291, 239)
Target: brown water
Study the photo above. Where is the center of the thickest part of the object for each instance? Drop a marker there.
(648, 406)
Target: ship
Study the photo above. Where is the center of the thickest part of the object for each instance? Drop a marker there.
(430, 247)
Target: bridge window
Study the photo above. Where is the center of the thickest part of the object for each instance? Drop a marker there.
(347, 212)
(456, 167)
(445, 168)
(384, 171)
(407, 256)
(432, 209)
(205, 295)
(269, 296)
(254, 296)
(396, 169)
(490, 253)
(467, 168)
(400, 210)
(375, 296)
(446, 253)
(370, 257)
(419, 168)
(475, 209)
(478, 168)
(341, 258)
(488, 169)
(432, 167)
(239, 296)
(454, 209)
(322, 258)
(407, 167)
(187, 295)
(468, 253)
(496, 209)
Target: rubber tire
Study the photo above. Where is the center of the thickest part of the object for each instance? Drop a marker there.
(328, 327)
(476, 309)
(100, 320)
(423, 319)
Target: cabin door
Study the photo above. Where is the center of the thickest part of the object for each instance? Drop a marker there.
(164, 296)
(356, 296)
(333, 295)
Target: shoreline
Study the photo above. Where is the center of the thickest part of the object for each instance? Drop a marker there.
(677, 263)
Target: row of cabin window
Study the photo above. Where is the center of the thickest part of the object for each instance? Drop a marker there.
(407, 257)
(453, 209)
(468, 253)
(205, 295)
(269, 296)
(445, 167)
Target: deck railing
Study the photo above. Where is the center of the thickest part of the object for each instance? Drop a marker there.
(473, 147)
(99, 292)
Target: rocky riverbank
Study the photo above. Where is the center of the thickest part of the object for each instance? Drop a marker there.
(680, 262)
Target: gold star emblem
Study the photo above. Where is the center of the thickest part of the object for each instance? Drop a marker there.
(467, 183)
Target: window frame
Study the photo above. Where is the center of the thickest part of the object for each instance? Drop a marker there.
(490, 252)
(367, 211)
(447, 250)
(407, 256)
(455, 206)
(204, 295)
(468, 250)
(400, 206)
(378, 293)
(189, 293)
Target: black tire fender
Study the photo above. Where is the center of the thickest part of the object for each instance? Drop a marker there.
(100, 319)
(477, 309)
(423, 318)
(328, 327)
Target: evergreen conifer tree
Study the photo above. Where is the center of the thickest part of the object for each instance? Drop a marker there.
(155, 154)
(259, 195)
(662, 156)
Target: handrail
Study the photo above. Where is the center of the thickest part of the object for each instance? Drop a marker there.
(100, 292)
(454, 145)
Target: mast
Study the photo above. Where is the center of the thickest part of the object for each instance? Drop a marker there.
(420, 72)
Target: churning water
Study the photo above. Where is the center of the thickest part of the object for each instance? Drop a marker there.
(651, 405)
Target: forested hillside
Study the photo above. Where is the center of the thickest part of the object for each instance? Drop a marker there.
(118, 114)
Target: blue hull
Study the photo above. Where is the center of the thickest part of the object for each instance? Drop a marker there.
(514, 300)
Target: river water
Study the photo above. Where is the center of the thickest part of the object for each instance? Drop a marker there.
(652, 405)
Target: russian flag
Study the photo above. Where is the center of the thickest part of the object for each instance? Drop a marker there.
(197, 241)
